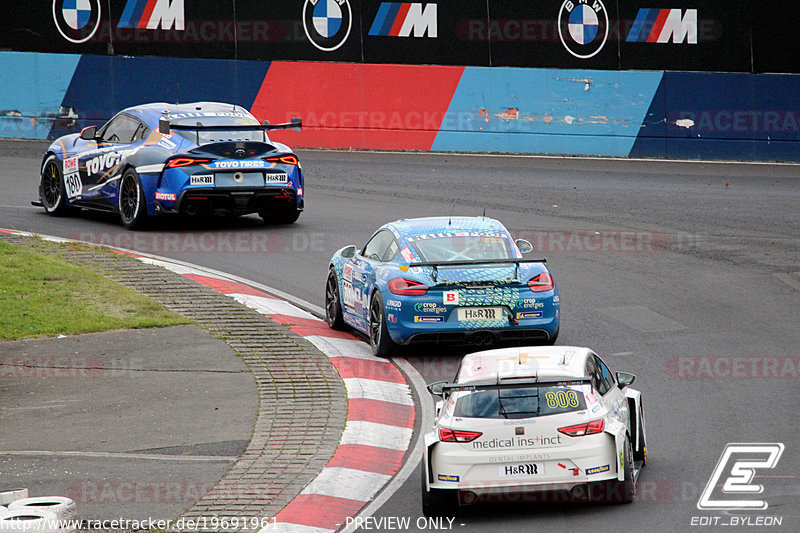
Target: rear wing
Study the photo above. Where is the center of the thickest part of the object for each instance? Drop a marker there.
(441, 388)
(164, 126)
(516, 261)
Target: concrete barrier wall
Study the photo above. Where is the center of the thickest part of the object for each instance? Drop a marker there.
(440, 108)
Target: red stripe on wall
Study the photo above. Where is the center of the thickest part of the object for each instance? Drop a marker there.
(393, 414)
(362, 106)
(658, 26)
(399, 20)
(316, 510)
(367, 459)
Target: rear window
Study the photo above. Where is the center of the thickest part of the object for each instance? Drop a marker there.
(462, 246)
(523, 402)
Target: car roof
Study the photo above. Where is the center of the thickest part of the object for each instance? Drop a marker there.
(543, 362)
(410, 227)
(152, 112)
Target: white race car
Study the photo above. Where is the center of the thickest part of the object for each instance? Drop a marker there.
(533, 420)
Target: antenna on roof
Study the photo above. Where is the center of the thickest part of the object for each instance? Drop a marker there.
(484, 212)
(450, 218)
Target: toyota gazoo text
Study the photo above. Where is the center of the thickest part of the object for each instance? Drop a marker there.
(533, 421)
(160, 158)
(442, 280)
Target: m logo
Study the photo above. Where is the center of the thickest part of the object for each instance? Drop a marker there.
(661, 25)
(739, 462)
(396, 19)
(153, 14)
(76, 20)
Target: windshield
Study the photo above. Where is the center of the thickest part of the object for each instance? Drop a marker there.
(523, 402)
(462, 246)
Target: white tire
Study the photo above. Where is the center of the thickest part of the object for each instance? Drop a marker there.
(32, 520)
(3, 510)
(63, 508)
(8, 496)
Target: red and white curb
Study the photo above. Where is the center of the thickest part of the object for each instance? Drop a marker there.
(380, 415)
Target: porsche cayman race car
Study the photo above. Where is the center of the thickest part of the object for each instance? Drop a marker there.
(442, 279)
(161, 158)
(538, 422)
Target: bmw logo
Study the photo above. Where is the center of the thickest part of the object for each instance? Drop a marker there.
(327, 23)
(583, 27)
(76, 20)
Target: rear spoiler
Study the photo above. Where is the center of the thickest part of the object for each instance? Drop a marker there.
(164, 126)
(447, 388)
(472, 262)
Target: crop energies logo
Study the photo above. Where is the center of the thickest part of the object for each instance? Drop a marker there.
(76, 20)
(583, 27)
(327, 23)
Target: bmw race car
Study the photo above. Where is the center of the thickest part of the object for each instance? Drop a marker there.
(535, 422)
(162, 158)
(442, 279)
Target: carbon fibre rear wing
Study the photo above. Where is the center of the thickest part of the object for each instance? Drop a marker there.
(164, 126)
(516, 261)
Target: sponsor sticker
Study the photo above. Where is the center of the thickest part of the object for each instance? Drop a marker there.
(520, 470)
(448, 478)
(428, 319)
(597, 469)
(408, 255)
(450, 297)
(70, 165)
(202, 179)
(275, 177)
(169, 196)
(530, 314)
(258, 163)
(479, 313)
(73, 185)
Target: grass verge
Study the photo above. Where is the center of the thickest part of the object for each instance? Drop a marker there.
(43, 296)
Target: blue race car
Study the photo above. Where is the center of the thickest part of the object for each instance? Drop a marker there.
(159, 158)
(442, 279)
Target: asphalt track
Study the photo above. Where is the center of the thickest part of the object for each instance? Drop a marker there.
(686, 274)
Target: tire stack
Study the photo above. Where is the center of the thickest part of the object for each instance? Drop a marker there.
(39, 515)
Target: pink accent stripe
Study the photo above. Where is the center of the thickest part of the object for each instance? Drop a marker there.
(227, 287)
(305, 327)
(367, 459)
(380, 412)
(120, 252)
(351, 367)
(12, 232)
(316, 510)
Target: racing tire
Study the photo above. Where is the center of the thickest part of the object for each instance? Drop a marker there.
(52, 193)
(614, 490)
(379, 340)
(63, 508)
(287, 214)
(30, 520)
(438, 502)
(132, 204)
(333, 302)
(640, 453)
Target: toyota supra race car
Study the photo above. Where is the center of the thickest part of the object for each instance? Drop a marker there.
(155, 159)
(442, 279)
(533, 422)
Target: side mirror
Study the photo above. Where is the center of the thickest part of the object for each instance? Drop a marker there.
(437, 388)
(89, 134)
(163, 126)
(349, 252)
(624, 379)
(297, 123)
(524, 246)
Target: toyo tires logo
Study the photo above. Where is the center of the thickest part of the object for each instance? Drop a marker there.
(327, 23)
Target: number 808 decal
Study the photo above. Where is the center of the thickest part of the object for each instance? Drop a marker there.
(562, 399)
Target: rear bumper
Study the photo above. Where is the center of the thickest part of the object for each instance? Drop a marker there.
(239, 201)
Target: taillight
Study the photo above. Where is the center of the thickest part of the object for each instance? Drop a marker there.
(579, 430)
(186, 162)
(540, 283)
(455, 435)
(407, 287)
(285, 159)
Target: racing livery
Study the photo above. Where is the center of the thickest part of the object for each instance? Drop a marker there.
(533, 420)
(160, 158)
(442, 279)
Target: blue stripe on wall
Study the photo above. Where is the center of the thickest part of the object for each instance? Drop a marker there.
(547, 111)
